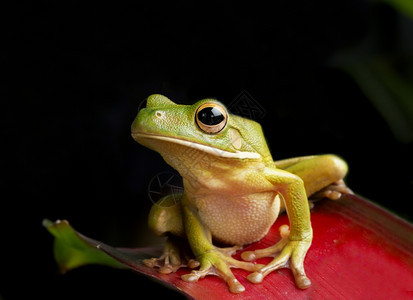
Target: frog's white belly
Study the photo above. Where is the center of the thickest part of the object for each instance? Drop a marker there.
(239, 220)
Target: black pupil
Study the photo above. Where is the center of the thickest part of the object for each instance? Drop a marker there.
(210, 116)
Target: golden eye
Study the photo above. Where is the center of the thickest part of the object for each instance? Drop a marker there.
(211, 117)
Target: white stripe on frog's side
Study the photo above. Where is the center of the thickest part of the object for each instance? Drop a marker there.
(205, 148)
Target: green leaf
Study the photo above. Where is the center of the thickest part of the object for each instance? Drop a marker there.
(72, 250)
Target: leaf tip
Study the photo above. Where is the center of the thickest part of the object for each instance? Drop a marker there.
(47, 223)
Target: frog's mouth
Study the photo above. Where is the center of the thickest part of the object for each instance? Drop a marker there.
(207, 149)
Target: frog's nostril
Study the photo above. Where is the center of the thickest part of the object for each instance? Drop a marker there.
(159, 114)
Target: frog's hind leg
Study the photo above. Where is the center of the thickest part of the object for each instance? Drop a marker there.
(322, 175)
(165, 218)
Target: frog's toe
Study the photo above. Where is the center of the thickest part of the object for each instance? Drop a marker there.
(229, 251)
(302, 282)
(166, 264)
(194, 276)
(255, 277)
(218, 262)
(233, 284)
(290, 254)
(333, 192)
(270, 251)
(153, 262)
(174, 257)
(192, 263)
(235, 287)
(297, 266)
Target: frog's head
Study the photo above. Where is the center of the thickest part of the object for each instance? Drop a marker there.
(178, 131)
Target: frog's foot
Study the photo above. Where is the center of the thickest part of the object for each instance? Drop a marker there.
(218, 262)
(287, 253)
(176, 254)
(333, 192)
(229, 251)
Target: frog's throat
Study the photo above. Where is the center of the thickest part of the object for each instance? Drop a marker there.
(202, 147)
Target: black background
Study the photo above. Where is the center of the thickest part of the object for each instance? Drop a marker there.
(76, 74)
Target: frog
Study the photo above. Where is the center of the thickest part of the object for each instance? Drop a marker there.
(233, 192)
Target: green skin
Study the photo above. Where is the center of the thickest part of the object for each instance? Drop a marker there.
(227, 171)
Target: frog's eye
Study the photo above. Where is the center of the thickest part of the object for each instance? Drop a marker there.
(211, 117)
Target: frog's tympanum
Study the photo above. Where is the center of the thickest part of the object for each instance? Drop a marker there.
(233, 192)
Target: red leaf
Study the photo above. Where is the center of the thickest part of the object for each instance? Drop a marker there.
(359, 251)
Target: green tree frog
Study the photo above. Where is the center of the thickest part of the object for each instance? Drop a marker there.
(233, 192)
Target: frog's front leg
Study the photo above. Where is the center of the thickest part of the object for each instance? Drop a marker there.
(213, 260)
(293, 246)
